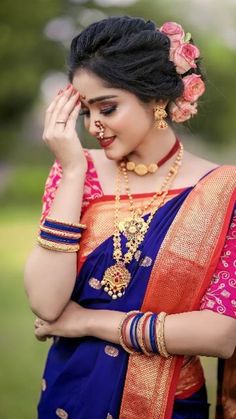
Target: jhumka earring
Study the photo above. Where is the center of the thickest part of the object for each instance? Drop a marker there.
(100, 126)
(160, 114)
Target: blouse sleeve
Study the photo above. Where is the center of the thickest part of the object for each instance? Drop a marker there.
(221, 295)
(92, 187)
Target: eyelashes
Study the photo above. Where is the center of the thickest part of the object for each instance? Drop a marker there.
(105, 111)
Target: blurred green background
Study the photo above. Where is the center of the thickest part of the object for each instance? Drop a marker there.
(34, 41)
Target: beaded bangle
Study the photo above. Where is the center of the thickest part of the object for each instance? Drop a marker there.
(59, 247)
(152, 333)
(141, 333)
(133, 331)
(121, 328)
(160, 335)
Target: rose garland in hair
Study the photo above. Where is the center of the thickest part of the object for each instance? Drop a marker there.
(184, 55)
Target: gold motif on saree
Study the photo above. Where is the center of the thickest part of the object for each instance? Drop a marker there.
(61, 413)
(111, 351)
(95, 283)
(116, 280)
(146, 262)
(109, 416)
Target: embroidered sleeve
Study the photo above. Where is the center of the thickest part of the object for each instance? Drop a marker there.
(92, 188)
(221, 295)
(51, 186)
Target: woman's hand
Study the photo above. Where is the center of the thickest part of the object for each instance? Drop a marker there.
(72, 323)
(59, 130)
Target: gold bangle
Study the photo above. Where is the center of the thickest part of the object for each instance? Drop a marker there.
(160, 335)
(58, 247)
(122, 343)
(60, 233)
(66, 223)
(140, 334)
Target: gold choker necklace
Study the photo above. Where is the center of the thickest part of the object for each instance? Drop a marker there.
(142, 169)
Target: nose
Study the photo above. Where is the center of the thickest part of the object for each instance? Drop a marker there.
(96, 128)
(93, 130)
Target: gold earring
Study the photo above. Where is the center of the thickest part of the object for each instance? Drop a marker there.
(160, 114)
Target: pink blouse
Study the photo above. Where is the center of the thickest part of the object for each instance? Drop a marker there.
(221, 294)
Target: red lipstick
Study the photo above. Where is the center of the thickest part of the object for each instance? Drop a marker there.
(106, 142)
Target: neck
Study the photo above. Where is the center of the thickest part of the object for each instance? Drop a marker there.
(154, 148)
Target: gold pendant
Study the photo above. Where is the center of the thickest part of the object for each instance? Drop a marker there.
(131, 227)
(115, 280)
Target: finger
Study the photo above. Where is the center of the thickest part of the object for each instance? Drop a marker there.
(63, 94)
(62, 111)
(71, 122)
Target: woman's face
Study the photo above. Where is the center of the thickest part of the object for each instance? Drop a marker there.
(127, 122)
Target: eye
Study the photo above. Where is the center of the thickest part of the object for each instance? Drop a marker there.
(108, 110)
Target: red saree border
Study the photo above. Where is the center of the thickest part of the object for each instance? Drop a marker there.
(192, 245)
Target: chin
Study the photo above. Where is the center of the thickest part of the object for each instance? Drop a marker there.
(113, 153)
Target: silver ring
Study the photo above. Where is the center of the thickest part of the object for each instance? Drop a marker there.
(61, 122)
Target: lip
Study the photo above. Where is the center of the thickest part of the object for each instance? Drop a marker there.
(107, 141)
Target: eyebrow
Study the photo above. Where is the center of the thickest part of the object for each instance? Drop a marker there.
(100, 99)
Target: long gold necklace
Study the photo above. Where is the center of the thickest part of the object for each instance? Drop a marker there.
(117, 277)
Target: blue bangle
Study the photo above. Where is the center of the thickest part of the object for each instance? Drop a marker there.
(133, 331)
(152, 333)
(59, 239)
(62, 227)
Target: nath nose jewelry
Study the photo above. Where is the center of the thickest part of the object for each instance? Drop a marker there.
(100, 126)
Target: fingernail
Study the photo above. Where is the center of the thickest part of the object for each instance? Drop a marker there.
(78, 101)
(60, 91)
(68, 86)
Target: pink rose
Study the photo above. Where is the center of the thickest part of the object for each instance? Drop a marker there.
(175, 33)
(181, 111)
(194, 87)
(184, 57)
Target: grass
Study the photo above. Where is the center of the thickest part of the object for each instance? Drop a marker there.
(22, 357)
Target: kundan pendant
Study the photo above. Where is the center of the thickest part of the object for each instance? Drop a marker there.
(116, 280)
(131, 227)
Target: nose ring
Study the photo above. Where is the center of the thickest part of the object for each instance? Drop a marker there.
(100, 126)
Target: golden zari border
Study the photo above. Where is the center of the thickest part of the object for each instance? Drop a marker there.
(181, 274)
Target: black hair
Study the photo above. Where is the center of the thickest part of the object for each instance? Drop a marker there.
(128, 53)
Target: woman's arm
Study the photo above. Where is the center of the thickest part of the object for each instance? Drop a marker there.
(50, 275)
(194, 333)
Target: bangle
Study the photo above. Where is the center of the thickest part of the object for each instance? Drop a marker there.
(59, 247)
(62, 225)
(141, 333)
(58, 239)
(121, 329)
(160, 335)
(152, 333)
(61, 233)
(133, 331)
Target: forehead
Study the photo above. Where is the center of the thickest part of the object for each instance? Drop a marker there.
(89, 85)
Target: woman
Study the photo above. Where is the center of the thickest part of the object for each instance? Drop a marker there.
(126, 275)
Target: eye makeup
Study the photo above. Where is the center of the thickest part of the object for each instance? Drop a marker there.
(104, 110)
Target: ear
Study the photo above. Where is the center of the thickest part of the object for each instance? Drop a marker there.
(162, 103)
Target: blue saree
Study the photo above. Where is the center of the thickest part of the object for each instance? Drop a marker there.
(84, 378)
